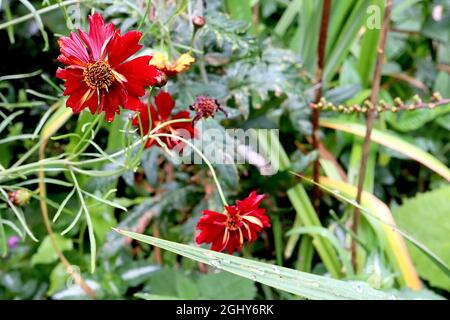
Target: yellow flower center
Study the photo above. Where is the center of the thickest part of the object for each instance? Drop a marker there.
(98, 75)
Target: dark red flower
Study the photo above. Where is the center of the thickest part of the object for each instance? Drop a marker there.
(164, 106)
(227, 230)
(98, 74)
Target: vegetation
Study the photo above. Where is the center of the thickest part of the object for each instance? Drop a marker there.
(340, 187)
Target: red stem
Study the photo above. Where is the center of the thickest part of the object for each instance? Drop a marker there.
(316, 112)
(370, 121)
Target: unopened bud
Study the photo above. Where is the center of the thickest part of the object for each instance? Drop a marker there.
(416, 99)
(436, 96)
(398, 102)
(19, 197)
(198, 22)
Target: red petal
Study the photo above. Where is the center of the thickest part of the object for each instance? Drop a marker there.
(123, 47)
(75, 100)
(250, 203)
(165, 104)
(234, 243)
(138, 75)
(74, 79)
(115, 97)
(73, 50)
(98, 37)
(132, 103)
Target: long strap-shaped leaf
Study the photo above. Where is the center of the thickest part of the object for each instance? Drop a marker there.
(300, 283)
(390, 140)
(395, 245)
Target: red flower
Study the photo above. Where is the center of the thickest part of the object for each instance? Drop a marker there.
(227, 230)
(97, 73)
(164, 106)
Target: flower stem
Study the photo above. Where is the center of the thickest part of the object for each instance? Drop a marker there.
(44, 211)
(213, 172)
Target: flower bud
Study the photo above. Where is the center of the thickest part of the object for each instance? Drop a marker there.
(19, 197)
(198, 22)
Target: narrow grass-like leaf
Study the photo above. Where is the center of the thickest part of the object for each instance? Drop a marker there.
(20, 76)
(10, 29)
(390, 140)
(288, 17)
(321, 231)
(346, 38)
(369, 212)
(29, 16)
(47, 180)
(56, 121)
(296, 282)
(305, 213)
(25, 136)
(92, 242)
(3, 237)
(9, 119)
(13, 226)
(105, 201)
(74, 222)
(39, 23)
(63, 205)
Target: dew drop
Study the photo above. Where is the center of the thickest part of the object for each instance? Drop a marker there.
(276, 270)
(260, 272)
(358, 288)
(216, 263)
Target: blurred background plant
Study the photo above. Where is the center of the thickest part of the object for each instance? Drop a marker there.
(259, 59)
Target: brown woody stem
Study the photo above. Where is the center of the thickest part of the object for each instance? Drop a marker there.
(371, 115)
(44, 211)
(316, 112)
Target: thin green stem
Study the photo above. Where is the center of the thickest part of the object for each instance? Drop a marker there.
(38, 12)
(213, 172)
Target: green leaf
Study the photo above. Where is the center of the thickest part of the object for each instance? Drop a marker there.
(46, 254)
(186, 288)
(306, 215)
(336, 55)
(392, 141)
(147, 296)
(225, 286)
(58, 279)
(300, 283)
(413, 120)
(426, 218)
